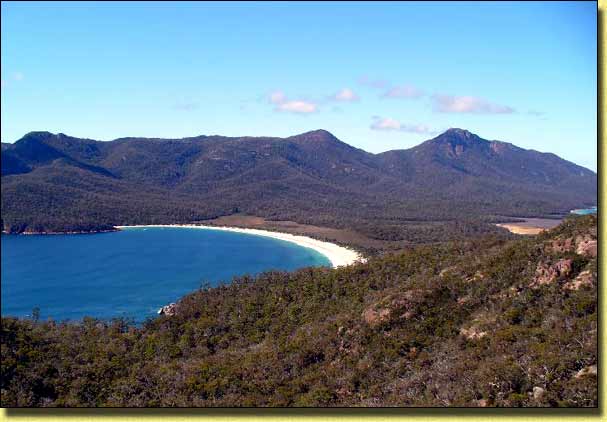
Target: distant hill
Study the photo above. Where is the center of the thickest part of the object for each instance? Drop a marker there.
(54, 182)
(458, 162)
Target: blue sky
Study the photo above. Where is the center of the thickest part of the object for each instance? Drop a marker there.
(378, 75)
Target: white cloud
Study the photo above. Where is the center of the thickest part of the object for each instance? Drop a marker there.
(345, 95)
(385, 123)
(389, 124)
(282, 103)
(297, 106)
(403, 91)
(277, 97)
(467, 104)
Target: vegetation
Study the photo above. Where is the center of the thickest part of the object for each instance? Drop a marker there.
(481, 322)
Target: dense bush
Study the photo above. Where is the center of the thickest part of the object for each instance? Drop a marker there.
(456, 324)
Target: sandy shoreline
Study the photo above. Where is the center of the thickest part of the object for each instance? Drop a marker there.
(517, 229)
(339, 256)
(531, 226)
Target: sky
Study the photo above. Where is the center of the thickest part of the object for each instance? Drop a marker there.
(379, 76)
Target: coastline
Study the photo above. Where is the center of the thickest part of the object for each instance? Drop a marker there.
(585, 211)
(533, 225)
(339, 256)
(58, 233)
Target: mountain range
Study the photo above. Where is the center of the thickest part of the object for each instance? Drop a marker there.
(55, 182)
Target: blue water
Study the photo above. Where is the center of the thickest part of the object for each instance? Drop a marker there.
(585, 211)
(131, 273)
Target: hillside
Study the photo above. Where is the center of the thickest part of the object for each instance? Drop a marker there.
(60, 183)
(471, 166)
(483, 322)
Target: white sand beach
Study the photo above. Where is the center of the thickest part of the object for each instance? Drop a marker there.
(531, 226)
(517, 229)
(338, 255)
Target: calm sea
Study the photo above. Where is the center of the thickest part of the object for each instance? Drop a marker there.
(131, 273)
(585, 211)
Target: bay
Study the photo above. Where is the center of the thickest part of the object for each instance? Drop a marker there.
(133, 272)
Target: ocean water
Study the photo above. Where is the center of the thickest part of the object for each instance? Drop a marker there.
(131, 273)
(585, 211)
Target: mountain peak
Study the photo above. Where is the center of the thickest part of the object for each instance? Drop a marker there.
(455, 142)
(455, 131)
(456, 136)
(318, 132)
(37, 136)
(316, 135)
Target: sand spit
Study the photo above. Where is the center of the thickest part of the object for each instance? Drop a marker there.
(338, 255)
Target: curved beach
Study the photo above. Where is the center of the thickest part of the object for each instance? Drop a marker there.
(339, 256)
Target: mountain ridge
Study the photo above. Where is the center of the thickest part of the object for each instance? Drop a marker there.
(463, 132)
(312, 177)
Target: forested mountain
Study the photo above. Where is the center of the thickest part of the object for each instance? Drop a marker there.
(481, 322)
(60, 183)
(472, 166)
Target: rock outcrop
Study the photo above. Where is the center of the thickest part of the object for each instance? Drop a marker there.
(582, 245)
(472, 333)
(584, 279)
(546, 274)
(538, 393)
(562, 245)
(402, 306)
(375, 316)
(587, 247)
(168, 310)
(446, 271)
(587, 371)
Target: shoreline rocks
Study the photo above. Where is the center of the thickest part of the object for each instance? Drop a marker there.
(168, 310)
